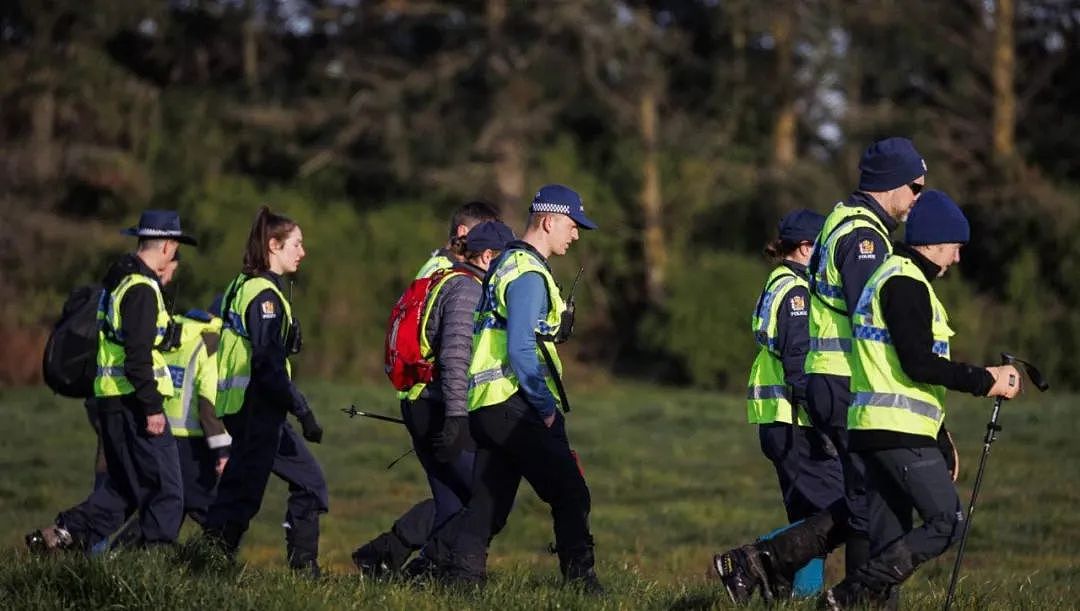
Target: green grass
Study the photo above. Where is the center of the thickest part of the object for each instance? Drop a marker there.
(675, 476)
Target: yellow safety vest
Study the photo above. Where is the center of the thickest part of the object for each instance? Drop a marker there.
(830, 323)
(434, 264)
(491, 379)
(425, 346)
(768, 398)
(110, 380)
(193, 373)
(884, 397)
(234, 353)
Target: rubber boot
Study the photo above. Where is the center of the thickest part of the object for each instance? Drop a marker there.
(302, 545)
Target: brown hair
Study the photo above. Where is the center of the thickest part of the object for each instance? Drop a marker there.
(457, 246)
(267, 226)
(472, 213)
(777, 249)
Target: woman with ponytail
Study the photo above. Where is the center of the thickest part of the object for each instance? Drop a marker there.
(256, 391)
(806, 466)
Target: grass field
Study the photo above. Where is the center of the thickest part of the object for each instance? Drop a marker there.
(675, 476)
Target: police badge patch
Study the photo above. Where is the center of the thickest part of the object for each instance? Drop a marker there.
(866, 250)
(798, 305)
(268, 310)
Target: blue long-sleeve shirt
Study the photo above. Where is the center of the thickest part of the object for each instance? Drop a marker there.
(264, 318)
(526, 305)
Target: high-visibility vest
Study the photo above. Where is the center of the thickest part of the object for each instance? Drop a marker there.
(425, 346)
(491, 379)
(110, 380)
(768, 397)
(432, 265)
(234, 353)
(883, 396)
(193, 373)
(830, 322)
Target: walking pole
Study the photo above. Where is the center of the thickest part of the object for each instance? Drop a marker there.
(992, 429)
(353, 412)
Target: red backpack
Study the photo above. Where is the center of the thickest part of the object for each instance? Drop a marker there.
(403, 362)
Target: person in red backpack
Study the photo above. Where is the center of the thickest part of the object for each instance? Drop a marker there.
(435, 413)
(386, 554)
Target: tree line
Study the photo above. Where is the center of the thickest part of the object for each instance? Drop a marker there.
(689, 127)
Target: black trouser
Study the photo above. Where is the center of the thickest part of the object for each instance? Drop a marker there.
(806, 466)
(512, 443)
(450, 483)
(828, 398)
(903, 480)
(264, 443)
(143, 476)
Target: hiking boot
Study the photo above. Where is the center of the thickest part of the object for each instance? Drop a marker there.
(371, 564)
(742, 570)
(587, 582)
(420, 568)
(850, 594)
(48, 540)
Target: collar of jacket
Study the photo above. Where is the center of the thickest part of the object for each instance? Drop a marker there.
(926, 266)
(465, 265)
(864, 200)
(798, 268)
(523, 245)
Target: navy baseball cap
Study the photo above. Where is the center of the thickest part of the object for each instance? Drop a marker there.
(561, 200)
(489, 234)
(160, 224)
(800, 226)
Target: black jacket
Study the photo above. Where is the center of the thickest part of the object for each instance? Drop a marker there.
(908, 315)
(270, 383)
(793, 334)
(138, 327)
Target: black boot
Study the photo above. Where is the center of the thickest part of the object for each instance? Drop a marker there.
(225, 537)
(578, 569)
(302, 545)
(876, 583)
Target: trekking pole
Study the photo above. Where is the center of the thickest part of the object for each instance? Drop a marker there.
(353, 412)
(992, 429)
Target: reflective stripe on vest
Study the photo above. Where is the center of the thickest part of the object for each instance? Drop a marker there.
(884, 396)
(234, 352)
(767, 395)
(830, 330)
(491, 379)
(110, 380)
(194, 373)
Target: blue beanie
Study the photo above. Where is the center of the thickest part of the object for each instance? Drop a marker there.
(889, 164)
(800, 226)
(936, 219)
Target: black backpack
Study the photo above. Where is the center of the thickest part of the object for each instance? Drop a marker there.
(70, 361)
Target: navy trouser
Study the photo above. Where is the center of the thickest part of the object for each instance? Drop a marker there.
(828, 398)
(197, 462)
(143, 475)
(806, 466)
(264, 443)
(450, 482)
(902, 481)
(512, 443)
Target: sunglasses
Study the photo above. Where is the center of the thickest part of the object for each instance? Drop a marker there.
(915, 187)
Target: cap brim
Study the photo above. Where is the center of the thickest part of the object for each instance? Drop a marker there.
(583, 221)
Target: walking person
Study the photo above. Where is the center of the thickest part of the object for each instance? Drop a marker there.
(900, 372)
(255, 392)
(806, 464)
(130, 388)
(386, 554)
(436, 413)
(515, 397)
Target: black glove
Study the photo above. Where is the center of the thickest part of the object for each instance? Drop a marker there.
(312, 430)
(447, 442)
(566, 324)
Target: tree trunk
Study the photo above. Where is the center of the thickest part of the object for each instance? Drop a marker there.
(509, 170)
(251, 48)
(784, 128)
(651, 204)
(1004, 75)
(42, 122)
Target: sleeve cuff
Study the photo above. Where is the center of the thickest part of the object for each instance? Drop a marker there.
(221, 440)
